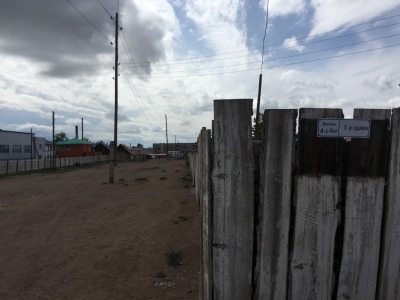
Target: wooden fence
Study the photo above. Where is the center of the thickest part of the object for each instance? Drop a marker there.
(294, 216)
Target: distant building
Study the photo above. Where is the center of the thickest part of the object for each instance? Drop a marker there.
(102, 148)
(21, 145)
(75, 148)
(180, 147)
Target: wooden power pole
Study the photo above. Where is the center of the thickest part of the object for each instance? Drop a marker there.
(52, 147)
(113, 145)
(116, 91)
(257, 129)
(166, 132)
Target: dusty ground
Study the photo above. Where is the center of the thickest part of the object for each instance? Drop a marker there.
(70, 236)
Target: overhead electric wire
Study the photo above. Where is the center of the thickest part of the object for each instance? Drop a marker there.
(89, 22)
(130, 83)
(105, 9)
(273, 50)
(296, 63)
(265, 33)
(137, 72)
(269, 45)
(272, 59)
(138, 95)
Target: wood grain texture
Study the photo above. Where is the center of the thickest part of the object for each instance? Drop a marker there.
(206, 198)
(315, 227)
(317, 193)
(389, 284)
(359, 268)
(233, 200)
(276, 157)
(364, 206)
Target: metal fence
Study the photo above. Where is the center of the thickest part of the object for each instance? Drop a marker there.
(13, 166)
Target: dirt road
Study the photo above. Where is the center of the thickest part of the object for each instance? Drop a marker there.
(69, 235)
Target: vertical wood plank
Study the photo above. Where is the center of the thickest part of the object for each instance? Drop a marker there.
(364, 205)
(389, 284)
(276, 167)
(233, 200)
(317, 192)
(205, 137)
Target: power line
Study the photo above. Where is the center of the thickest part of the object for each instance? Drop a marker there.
(130, 83)
(265, 33)
(133, 85)
(272, 59)
(105, 9)
(311, 36)
(296, 63)
(90, 22)
(274, 50)
(138, 74)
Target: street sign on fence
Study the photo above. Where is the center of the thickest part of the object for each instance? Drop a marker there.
(355, 128)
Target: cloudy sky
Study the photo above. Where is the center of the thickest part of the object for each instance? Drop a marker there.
(177, 56)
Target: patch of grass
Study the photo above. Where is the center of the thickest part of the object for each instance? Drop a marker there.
(182, 218)
(141, 179)
(174, 258)
(161, 275)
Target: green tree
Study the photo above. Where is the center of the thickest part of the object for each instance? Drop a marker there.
(257, 135)
(86, 140)
(139, 145)
(61, 136)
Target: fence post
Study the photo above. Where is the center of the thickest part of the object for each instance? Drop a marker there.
(276, 167)
(317, 193)
(206, 199)
(364, 205)
(233, 199)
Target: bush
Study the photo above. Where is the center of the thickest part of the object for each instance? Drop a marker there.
(174, 258)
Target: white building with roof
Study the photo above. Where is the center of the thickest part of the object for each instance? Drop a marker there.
(21, 145)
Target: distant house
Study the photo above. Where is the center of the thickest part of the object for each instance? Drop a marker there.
(124, 149)
(21, 145)
(103, 148)
(74, 148)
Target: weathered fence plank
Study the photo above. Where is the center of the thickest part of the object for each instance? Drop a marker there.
(389, 283)
(276, 166)
(364, 205)
(233, 200)
(316, 216)
(205, 138)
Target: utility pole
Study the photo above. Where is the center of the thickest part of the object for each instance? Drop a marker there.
(82, 129)
(31, 144)
(52, 147)
(113, 144)
(256, 131)
(116, 91)
(166, 132)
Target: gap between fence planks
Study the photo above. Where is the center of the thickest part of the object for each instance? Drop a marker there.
(233, 200)
(364, 205)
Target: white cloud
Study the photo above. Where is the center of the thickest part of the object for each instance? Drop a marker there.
(394, 102)
(283, 7)
(333, 14)
(380, 83)
(292, 43)
(221, 23)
